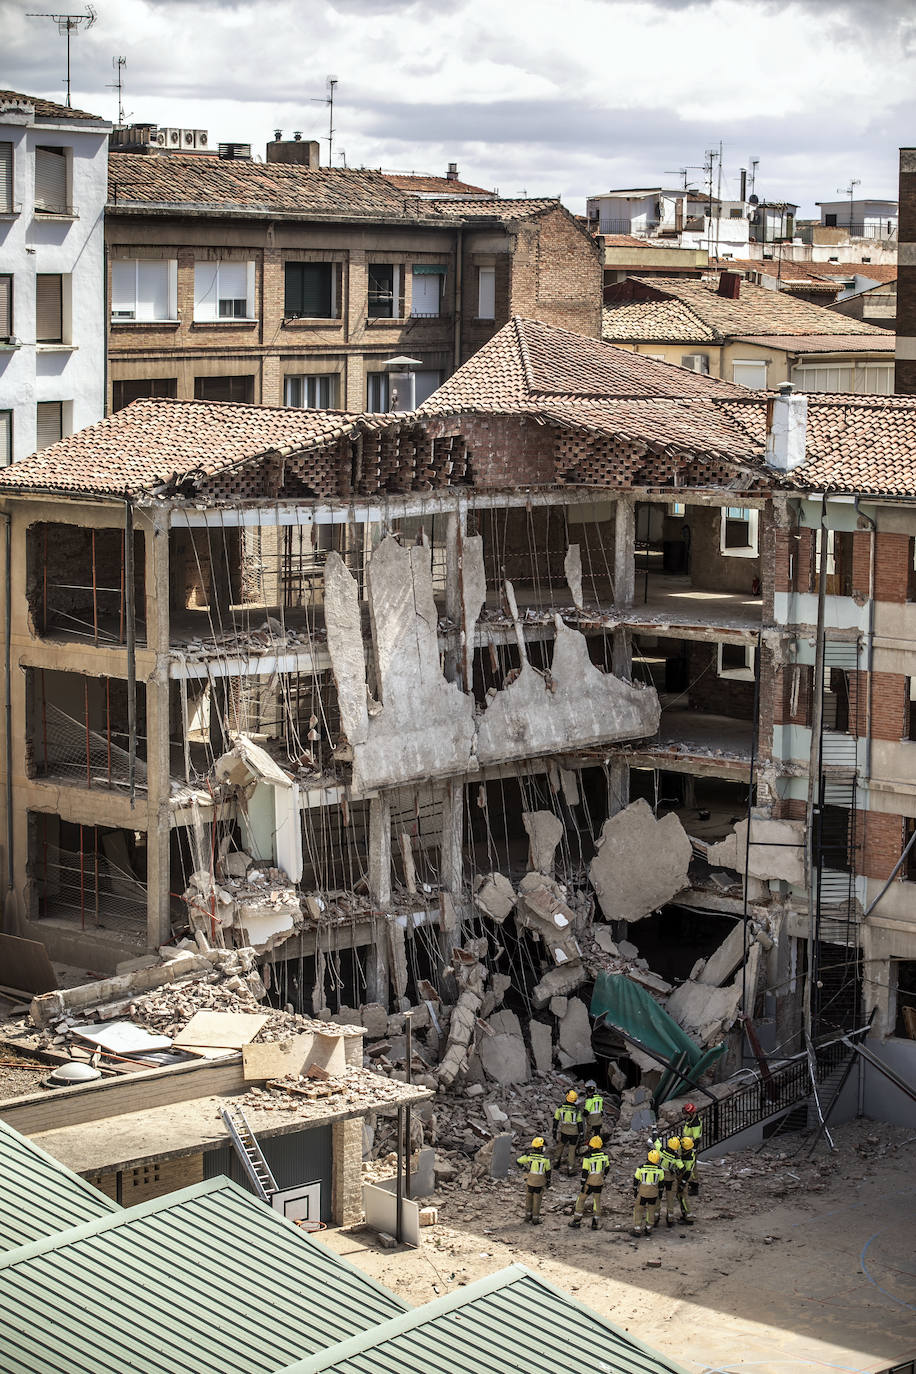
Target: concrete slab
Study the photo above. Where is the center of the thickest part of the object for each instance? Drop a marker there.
(545, 831)
(503, 1054)
(575, 1034)
(641, 862)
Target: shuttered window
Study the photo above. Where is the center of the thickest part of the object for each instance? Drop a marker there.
(135, 388)
(6, 178)
(6, 307)
(310, 291)
(6, 438)
(426, 290)
(51, 180)
(486, 293)
(224, 389)
(49, 308)
(223, 291)
(49, 423)
(143, 289)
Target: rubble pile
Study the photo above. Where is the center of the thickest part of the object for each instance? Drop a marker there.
(354, 1088)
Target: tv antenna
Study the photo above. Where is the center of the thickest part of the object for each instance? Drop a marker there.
(119, 63)
(682, 172)
(849, 191)
(329, 101)
(69, 24)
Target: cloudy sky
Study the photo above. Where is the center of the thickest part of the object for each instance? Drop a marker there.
(537, 97)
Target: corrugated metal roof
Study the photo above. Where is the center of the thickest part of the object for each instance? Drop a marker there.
(510, 1322)
(38, 1196)
(200, 1281)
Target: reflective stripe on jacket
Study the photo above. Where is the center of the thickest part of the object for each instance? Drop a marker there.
(535, 1164)
(595, 1166)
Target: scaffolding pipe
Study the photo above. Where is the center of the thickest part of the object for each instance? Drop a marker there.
(131, 649)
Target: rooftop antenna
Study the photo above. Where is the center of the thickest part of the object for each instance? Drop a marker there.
(755, 163)
(119, 63)
(329, 101)
(68, 24)
(849, 191)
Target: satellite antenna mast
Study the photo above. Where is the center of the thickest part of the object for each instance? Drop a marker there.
(850, 191)
(68, 24)
(119, 63)
(329, 101)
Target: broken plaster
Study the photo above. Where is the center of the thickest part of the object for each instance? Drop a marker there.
(641, 862)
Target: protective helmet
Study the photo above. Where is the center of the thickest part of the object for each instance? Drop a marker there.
(572, 1096)
(674, 1142)
(654, 1157)
(686, 1143)
(689, 1109)
(537, 1143)
(595, 1142)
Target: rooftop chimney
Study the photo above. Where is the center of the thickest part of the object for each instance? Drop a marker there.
(296, 150)
(452, 173)
(730, 285)
(787, 426)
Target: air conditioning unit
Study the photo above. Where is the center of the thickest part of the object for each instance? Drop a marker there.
(200, 138)
(187, 138)
(169, 138)
(696, 362)
(159, 138)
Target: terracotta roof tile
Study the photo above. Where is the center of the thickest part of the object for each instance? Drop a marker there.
(47, 109)
(413, 181)
(807, 271)
(666, 321)
(825, 343)
(495, 209)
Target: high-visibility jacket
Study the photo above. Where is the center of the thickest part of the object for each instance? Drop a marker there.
(671, 1162)
(538, 1166)
(568, 1117)
(651, 1175)
(594, 1105)
(692, 1127)
(688, 1164)
(594, 1168)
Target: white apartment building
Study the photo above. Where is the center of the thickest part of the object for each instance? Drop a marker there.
(53, 188)
(861, 217)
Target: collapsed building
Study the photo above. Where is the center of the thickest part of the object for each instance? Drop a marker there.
(589, 666)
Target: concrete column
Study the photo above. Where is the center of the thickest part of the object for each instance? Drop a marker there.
(451, 854)
(380, 851)
(618, 785)
(624, 580)
(456, 529)
(378, 969)
(158, 835)
(346, 1175)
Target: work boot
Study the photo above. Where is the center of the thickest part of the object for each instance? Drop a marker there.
(648, 1231)
(669, 1220)
(535, 1221)
(688, 1221)
(635, 1231)
(576, 1221)
(594, 1223)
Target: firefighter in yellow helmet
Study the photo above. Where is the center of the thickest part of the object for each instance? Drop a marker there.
(672, 1164)
(537, 1169)
(686, 1183)
(647, 1180)
(593, 1110)
(595, 1168)
(567, 1131)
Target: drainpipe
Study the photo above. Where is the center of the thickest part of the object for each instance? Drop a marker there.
(459, 278)
(7, 687)
(131, 647)
(872, 559)
(814, 762)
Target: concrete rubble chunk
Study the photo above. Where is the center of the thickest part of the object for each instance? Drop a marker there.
(558, 1006)
(722, 963)
(776, 850)
(501, 1158)
(503, 1054)
(541, 1045)
(572, 571)
(545, 831)
(628, 950)
(495, 896)
(605, 940)
(558, 981)
(575, 1034)
(375, 1019)
(460, 1031)
(704, 1012)
(641, 862)
(542, 907)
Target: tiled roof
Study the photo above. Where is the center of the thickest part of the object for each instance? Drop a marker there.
(630, 241)
(46, 109)
(413, 181)
(857, 444)
(758, 310)
(228, 185)
(808, 271)
(665, 321)
(142, 446)
(882, 341)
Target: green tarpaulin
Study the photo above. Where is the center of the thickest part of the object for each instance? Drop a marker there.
(633, 1011)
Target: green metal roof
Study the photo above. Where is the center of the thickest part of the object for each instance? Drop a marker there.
(201, 1281)
(38, 1196)
(512, 1322)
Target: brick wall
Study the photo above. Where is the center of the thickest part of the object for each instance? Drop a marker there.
(504, 452)
(721, 695)
(881, 839)
(557, 273)
(889, 705)
(892, 554)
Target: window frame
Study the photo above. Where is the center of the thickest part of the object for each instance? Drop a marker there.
(201, 380)
(750, 362)
(377, 298)
(751, 549)
(67, 209)
(377, 381)
(310, 385)
(171, 271)
(60, 408)
(6, 436)
(486, 310)
(425, 272)
(7, 201)
(10, 333)
(290, 268)
(213, 298)
(160, 386)
(59, 277)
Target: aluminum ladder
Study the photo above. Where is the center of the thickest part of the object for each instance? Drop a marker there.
(248, 1150)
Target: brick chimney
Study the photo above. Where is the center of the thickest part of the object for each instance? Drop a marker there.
(787, 428)
(298, 151)
(730, 285)
(452, 173)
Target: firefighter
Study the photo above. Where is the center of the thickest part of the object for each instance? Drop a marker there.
(692, 1125)
(595, 1168)
(593, 1111)
(537, 1167)
(687, 1184)
(567, 1131)
(647, 1180)
(672, 1165)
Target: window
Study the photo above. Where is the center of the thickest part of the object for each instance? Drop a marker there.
(223, 291)
(49, 423)
(425, 383)
(312, 392)
(426, 290)
(144, 289)
(239, 389)
(311, 291)
(911, 570)
(750, 374)
(51, 194)
(135, 388)
(736, 661)
(384, 291)
(486, 293)
(738, 532)
(830, 221)
(909, 725)
(837, 561)
(377, 391)
(49, 308)
(903, 979)
(677, 508)
(6, 178)
(6, 438)
(6, 307)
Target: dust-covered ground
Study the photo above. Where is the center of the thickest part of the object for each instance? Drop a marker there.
(795, 1263)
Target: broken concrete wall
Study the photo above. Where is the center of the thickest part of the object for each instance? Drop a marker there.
(641, 862)
(777, 850)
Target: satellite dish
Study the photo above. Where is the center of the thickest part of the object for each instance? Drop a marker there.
(753, 200)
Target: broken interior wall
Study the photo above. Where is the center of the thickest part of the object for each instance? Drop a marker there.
(642, 862)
